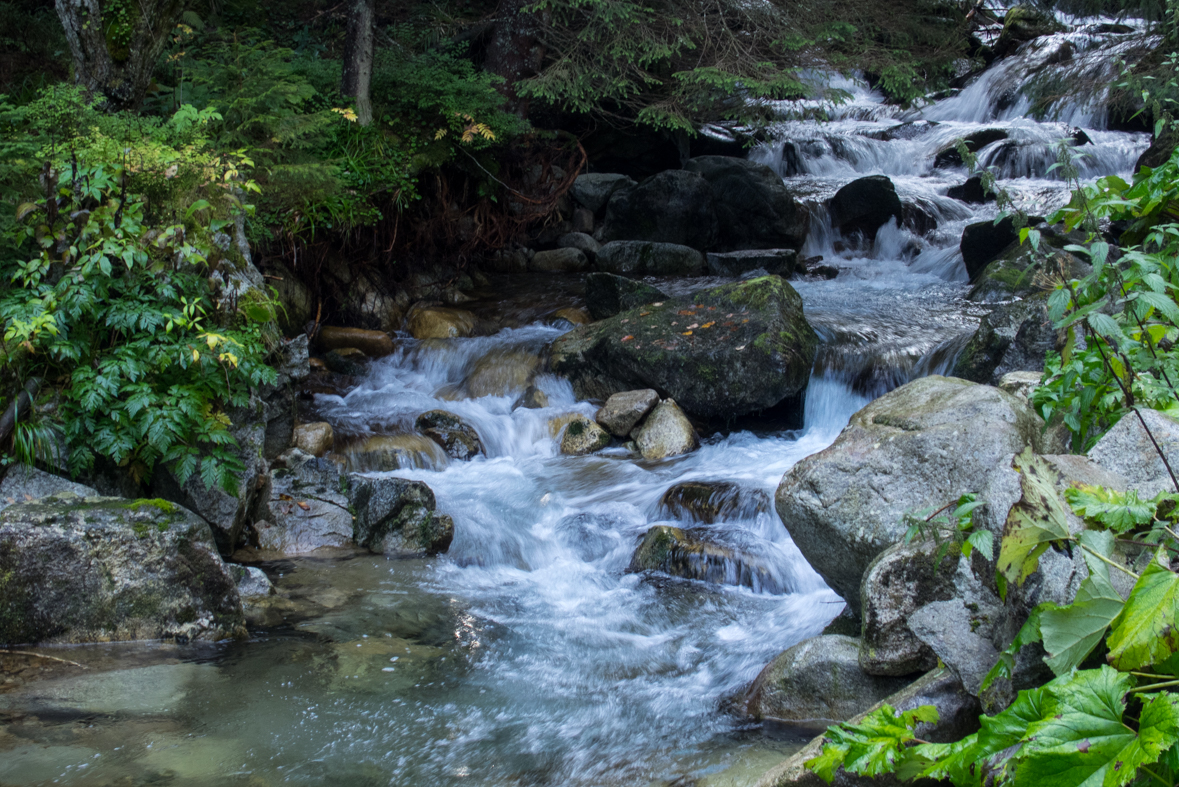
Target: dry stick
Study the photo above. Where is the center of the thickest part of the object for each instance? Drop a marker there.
(42, 656)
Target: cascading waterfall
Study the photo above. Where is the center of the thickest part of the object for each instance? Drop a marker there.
(528, 655)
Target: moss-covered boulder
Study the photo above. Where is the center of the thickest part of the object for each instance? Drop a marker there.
(719, 353)
(583, 436)
(103, 569)
(396, 516)
(1024, 23)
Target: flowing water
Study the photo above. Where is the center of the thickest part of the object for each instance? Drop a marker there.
(528, 655)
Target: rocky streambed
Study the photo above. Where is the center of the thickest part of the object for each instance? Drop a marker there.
(583, 520)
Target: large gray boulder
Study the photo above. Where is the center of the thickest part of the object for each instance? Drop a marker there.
(922, 445)
(308, 508)
(753, 206)
(675, 206)
(27, 484)
(958, 713)
(719, 353)
(396, 517)
(101, 569)
(901, 580)
(1128, 451)
(819, 678)
(650, 258)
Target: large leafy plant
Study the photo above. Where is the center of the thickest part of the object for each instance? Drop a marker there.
(110, 306)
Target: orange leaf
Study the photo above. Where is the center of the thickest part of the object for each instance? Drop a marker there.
(708, 325)
(686, 333)
(285, 497)
(304, 506)
(685, 311)
(627, 338)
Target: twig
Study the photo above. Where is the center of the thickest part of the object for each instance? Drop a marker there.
(42, 656)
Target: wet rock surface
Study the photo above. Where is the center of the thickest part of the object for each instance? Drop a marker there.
(675, 206)
(818, 679)
(623, 411)
(307, 509)
(457, 437)
(666, 432)
(697, 554)
(583, 436)
(712, 501)
(396, 517)
(865, 204)
(104, 569)
(721, 352)
(650, 258)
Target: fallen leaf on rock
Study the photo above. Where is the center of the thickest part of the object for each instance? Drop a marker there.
(285, 497)
(657, 304)
(304, 506)
(627, 338)
(685, 311)
(693, 325)
(742, 347)
(686, 333)
(708, 325)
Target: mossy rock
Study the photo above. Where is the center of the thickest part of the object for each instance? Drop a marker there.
(723, 352)
(109, 569)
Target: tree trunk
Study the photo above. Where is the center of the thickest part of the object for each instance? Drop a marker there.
(114, 54)
(358, 59)
(514, 51)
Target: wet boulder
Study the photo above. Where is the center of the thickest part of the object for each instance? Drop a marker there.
(1024, 23)
(456, 437)
(696, 554)
(374, 344)
(575, 315)
(971, 191)
(721, 352)
(307, 510)
(958, 714)
(864, 205)
(780, 262)
(819, 678)
(647, 258)
(103, 569)
(675, 206)
(666, 432)
(533, 398)
(712, 501)
(348, 361)
(949, 155)
(901, 580)
(623, 411)
(753, 207)
(924, 444)
(594, 189)
(1127, 450)
(393, 452)
(1162, 147)
(502, 372)
(316, 439)
(564, 260)
(983, 241)
(439, 322)
(397, 517)
(607, 294)
(583, 436)
(252, 583)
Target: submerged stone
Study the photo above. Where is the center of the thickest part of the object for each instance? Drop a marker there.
(457, 437)
(692, 554)
(713, 501)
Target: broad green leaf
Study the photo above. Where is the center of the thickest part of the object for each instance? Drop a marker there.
(1038, 519)
(984, 542)
(1146, 630)
(1028, 633)
(873, 746)
(1081, 739)
(1119, 511)
(827, 763)
(1070, 633)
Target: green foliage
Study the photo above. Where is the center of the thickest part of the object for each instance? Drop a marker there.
(1121, 512)
(1074, 731)
(1034, 523)
(109, 299)
(1145, 630)
(1121, 320)
(951, 528)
